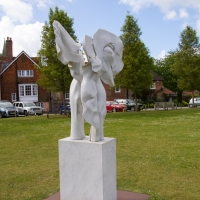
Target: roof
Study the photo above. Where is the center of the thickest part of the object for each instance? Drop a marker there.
(23, 52)
(186, 93)
(156, 77)
(169, 92)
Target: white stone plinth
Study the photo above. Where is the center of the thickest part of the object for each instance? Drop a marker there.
(87, 169)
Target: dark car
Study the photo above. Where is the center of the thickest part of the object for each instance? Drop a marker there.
(7, 109)
(130, 104)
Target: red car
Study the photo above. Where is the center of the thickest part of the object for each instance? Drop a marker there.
(112, 106)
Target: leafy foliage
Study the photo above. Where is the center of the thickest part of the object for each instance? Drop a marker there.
(163, 67)
(187, 61)
(55, 76)
(138, 64)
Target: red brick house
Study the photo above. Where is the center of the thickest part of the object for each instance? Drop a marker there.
(158, 91)
(18, 76)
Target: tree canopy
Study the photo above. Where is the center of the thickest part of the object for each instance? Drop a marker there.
(136, 74)
(55, 76)
(163, 67)
(187, 61)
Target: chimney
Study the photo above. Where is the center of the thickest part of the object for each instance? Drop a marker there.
(9, 51)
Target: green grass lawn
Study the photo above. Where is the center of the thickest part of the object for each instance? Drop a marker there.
(158, 153)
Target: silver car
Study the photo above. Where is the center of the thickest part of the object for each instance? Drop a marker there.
(28, 108)
(196, 102)
(7, 109)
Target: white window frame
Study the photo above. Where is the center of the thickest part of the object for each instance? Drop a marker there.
(28, 90)
(117, 89)
(13, 97)
(153, 86)
(25, 73)
(41, 104)
(66, 96)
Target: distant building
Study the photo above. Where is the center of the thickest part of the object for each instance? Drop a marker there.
(18, 76)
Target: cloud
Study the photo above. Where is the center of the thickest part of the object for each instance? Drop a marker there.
(171, 15)
(183, 13)
(25, 37)
(166, 6)
(162, 54)
(43, 3)
(17, 10)
(198, 26)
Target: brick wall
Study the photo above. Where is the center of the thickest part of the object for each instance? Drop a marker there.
(10, 80)
(111, 94)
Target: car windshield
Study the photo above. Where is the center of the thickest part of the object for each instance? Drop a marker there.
(29, 104)
(113, 103)
(130, 101)
(6, 104)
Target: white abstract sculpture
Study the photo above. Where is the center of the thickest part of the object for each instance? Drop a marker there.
(87, 94)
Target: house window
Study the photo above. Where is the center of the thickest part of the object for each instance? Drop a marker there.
(153, 87)
(67, 96)
(40, 104)
(13, 96)
(28, 90)
(25, 73)
(117, 89)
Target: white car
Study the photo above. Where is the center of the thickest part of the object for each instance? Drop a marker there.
(196, 102)
(28, 108)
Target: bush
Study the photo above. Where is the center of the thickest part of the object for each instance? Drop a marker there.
(151, 105)
(184, 103)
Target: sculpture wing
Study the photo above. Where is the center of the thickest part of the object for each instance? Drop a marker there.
(67, 48)
(91, 56)
(108, 48)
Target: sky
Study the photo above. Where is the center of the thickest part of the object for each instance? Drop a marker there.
(161, 21)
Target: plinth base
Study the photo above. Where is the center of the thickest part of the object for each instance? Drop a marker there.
(87, 169)
(121, 195)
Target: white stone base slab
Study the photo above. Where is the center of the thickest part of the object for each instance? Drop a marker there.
(87, 169)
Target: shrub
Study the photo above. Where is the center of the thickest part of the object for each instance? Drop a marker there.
(184, 103)
(151, 105)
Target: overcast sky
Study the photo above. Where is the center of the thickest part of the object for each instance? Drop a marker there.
(161, 21)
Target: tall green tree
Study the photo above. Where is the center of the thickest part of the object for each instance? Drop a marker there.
(136, 74)
(55, 76)
(163, 67)
(187, 61)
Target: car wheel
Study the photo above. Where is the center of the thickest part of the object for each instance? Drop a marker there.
(132, 109)
(25, 113)
(114, 110)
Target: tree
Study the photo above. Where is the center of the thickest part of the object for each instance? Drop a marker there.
(163, 67)
(187, 61)
(138, 64)
(54, 76)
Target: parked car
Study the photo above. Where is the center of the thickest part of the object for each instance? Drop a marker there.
(129, 103)
(196, 102)
(112, 106)
(28, 108)
(7, 109)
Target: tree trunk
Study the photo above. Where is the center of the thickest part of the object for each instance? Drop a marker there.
(193, 99)
(180, 96)
(136, 106)
(64, 102)
(127, 94)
